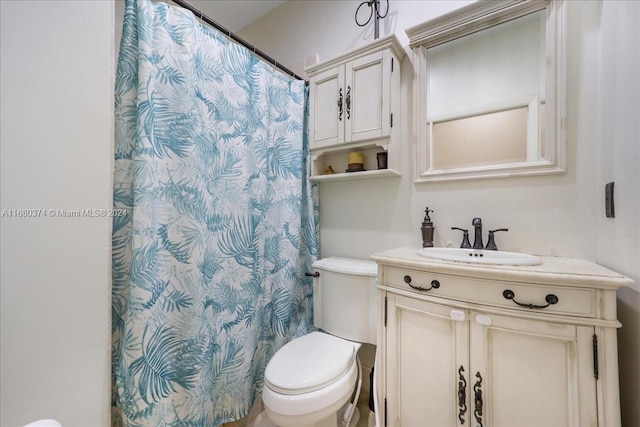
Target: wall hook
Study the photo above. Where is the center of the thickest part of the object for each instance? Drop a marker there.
(374, 6)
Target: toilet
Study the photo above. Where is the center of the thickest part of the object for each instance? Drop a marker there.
(309, 382)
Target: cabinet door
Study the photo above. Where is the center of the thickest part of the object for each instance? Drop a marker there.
(426, 359)
(367, 97)
(531, 373)
(327, 115)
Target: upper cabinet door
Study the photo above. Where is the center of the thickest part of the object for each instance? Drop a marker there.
(367, 105)
(352, 97)
(327, 112)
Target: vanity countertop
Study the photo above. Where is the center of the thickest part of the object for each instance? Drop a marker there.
(553, 270)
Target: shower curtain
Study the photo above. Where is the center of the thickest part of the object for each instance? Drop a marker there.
(216, 222)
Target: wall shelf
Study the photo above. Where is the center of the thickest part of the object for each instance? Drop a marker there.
(369, 174)
(338, 158)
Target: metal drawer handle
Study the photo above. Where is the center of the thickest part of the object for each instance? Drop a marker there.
(340, 105)
(550, 299)
(434, 284)
(314, 274)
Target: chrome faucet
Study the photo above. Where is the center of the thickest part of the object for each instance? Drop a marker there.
(477, 239)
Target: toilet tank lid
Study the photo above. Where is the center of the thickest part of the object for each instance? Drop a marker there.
(359, 267)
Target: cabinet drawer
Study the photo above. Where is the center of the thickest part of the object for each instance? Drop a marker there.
(568, 301)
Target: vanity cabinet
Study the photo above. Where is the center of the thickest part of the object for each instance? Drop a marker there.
(353, 99)
(462, 352)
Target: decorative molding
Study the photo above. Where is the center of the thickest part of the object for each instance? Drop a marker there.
(470, 19)
(388, 42)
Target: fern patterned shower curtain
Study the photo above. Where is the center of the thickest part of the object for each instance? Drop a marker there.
(211, 165)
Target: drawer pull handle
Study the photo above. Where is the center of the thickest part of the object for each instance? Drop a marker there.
(434, 284)
(550, 299)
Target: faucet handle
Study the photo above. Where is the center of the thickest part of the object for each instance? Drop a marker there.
(465, 237)
(491, 244)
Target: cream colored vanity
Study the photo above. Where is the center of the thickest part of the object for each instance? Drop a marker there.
(496, 345)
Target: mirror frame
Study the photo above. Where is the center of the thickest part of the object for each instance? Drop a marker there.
(471, 19)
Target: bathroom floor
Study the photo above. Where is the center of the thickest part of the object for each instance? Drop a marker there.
(363, 407)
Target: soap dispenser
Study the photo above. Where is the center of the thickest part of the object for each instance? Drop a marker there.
(427, 230)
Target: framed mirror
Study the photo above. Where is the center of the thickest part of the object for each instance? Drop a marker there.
(490, 91)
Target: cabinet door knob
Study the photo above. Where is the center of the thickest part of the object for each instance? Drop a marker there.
(434, 284)
(340, 105)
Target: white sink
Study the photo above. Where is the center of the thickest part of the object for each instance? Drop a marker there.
(480, 256)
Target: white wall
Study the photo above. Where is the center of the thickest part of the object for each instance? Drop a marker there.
(560, 215)
(56, 149)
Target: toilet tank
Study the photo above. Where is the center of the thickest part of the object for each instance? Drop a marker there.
(344, 298)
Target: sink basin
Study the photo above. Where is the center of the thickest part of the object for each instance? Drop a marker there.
(480, 256)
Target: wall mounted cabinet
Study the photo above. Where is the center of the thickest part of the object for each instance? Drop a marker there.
(353, 100)
(461, 351)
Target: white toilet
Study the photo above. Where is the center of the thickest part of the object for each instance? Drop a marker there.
(310, 379)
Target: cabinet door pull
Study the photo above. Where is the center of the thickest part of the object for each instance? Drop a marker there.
(462, 395)
(434, 284)
(348, 101)
(477, 392)
(550, 299)
(340, 105)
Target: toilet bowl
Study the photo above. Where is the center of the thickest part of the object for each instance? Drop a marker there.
(309, 382)
(310, 379)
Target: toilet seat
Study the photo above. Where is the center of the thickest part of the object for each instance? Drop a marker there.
(309, 363)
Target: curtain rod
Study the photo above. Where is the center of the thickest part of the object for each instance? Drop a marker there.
(237, 39)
